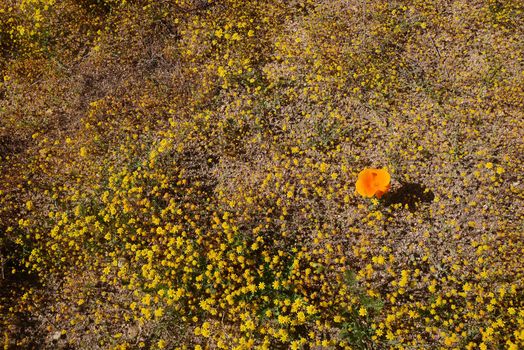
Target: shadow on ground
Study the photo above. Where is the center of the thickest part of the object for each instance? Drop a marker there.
(19, 329)
(411, 194)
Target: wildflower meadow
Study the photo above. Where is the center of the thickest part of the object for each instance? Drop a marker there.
(262, 174)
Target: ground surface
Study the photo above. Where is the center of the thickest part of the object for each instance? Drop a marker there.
(181, 174)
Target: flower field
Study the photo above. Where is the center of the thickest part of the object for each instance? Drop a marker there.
(262, 174)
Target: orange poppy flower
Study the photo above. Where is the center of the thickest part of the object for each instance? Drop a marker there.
(373, 182)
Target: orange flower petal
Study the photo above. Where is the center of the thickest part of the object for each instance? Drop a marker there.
(363, 184)
(373, 182)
